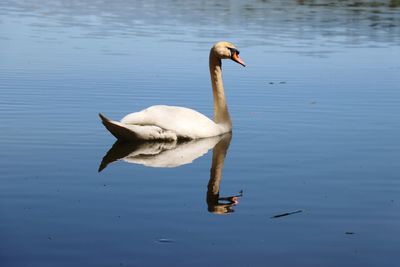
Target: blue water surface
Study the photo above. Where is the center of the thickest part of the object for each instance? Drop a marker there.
(316, 120)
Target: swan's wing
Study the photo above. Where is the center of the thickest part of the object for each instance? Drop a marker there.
(185, 122)
(128, 132)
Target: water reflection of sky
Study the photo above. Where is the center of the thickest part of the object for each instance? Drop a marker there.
(279, 23)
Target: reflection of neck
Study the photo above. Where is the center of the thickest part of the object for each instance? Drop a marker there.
(218, 159)
(221, 114)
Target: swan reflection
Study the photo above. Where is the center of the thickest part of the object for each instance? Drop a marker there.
(173, 154)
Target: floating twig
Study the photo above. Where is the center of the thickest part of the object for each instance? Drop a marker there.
(286, 214)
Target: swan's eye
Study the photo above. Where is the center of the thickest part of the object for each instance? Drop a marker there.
(233, 51)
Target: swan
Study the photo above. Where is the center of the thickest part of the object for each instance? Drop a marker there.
(162, 122)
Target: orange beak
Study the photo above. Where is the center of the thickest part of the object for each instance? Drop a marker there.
(236, 58)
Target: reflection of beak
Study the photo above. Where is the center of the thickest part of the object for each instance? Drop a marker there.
(236, 58)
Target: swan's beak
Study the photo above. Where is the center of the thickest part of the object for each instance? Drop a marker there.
(236, 58)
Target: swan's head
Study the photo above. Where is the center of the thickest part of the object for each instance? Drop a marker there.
(227, 50)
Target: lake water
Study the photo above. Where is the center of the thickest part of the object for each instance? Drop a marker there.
(316, 117)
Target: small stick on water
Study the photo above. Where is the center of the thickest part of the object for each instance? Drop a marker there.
(286, 214)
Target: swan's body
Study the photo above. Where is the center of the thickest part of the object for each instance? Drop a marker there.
(172, 123)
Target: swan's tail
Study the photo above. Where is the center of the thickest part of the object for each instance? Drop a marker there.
(127, 132)
(120, 131)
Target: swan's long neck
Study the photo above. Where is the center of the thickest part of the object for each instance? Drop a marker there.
(221, 114)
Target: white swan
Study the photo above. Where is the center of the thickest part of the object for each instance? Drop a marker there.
(172, 123)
